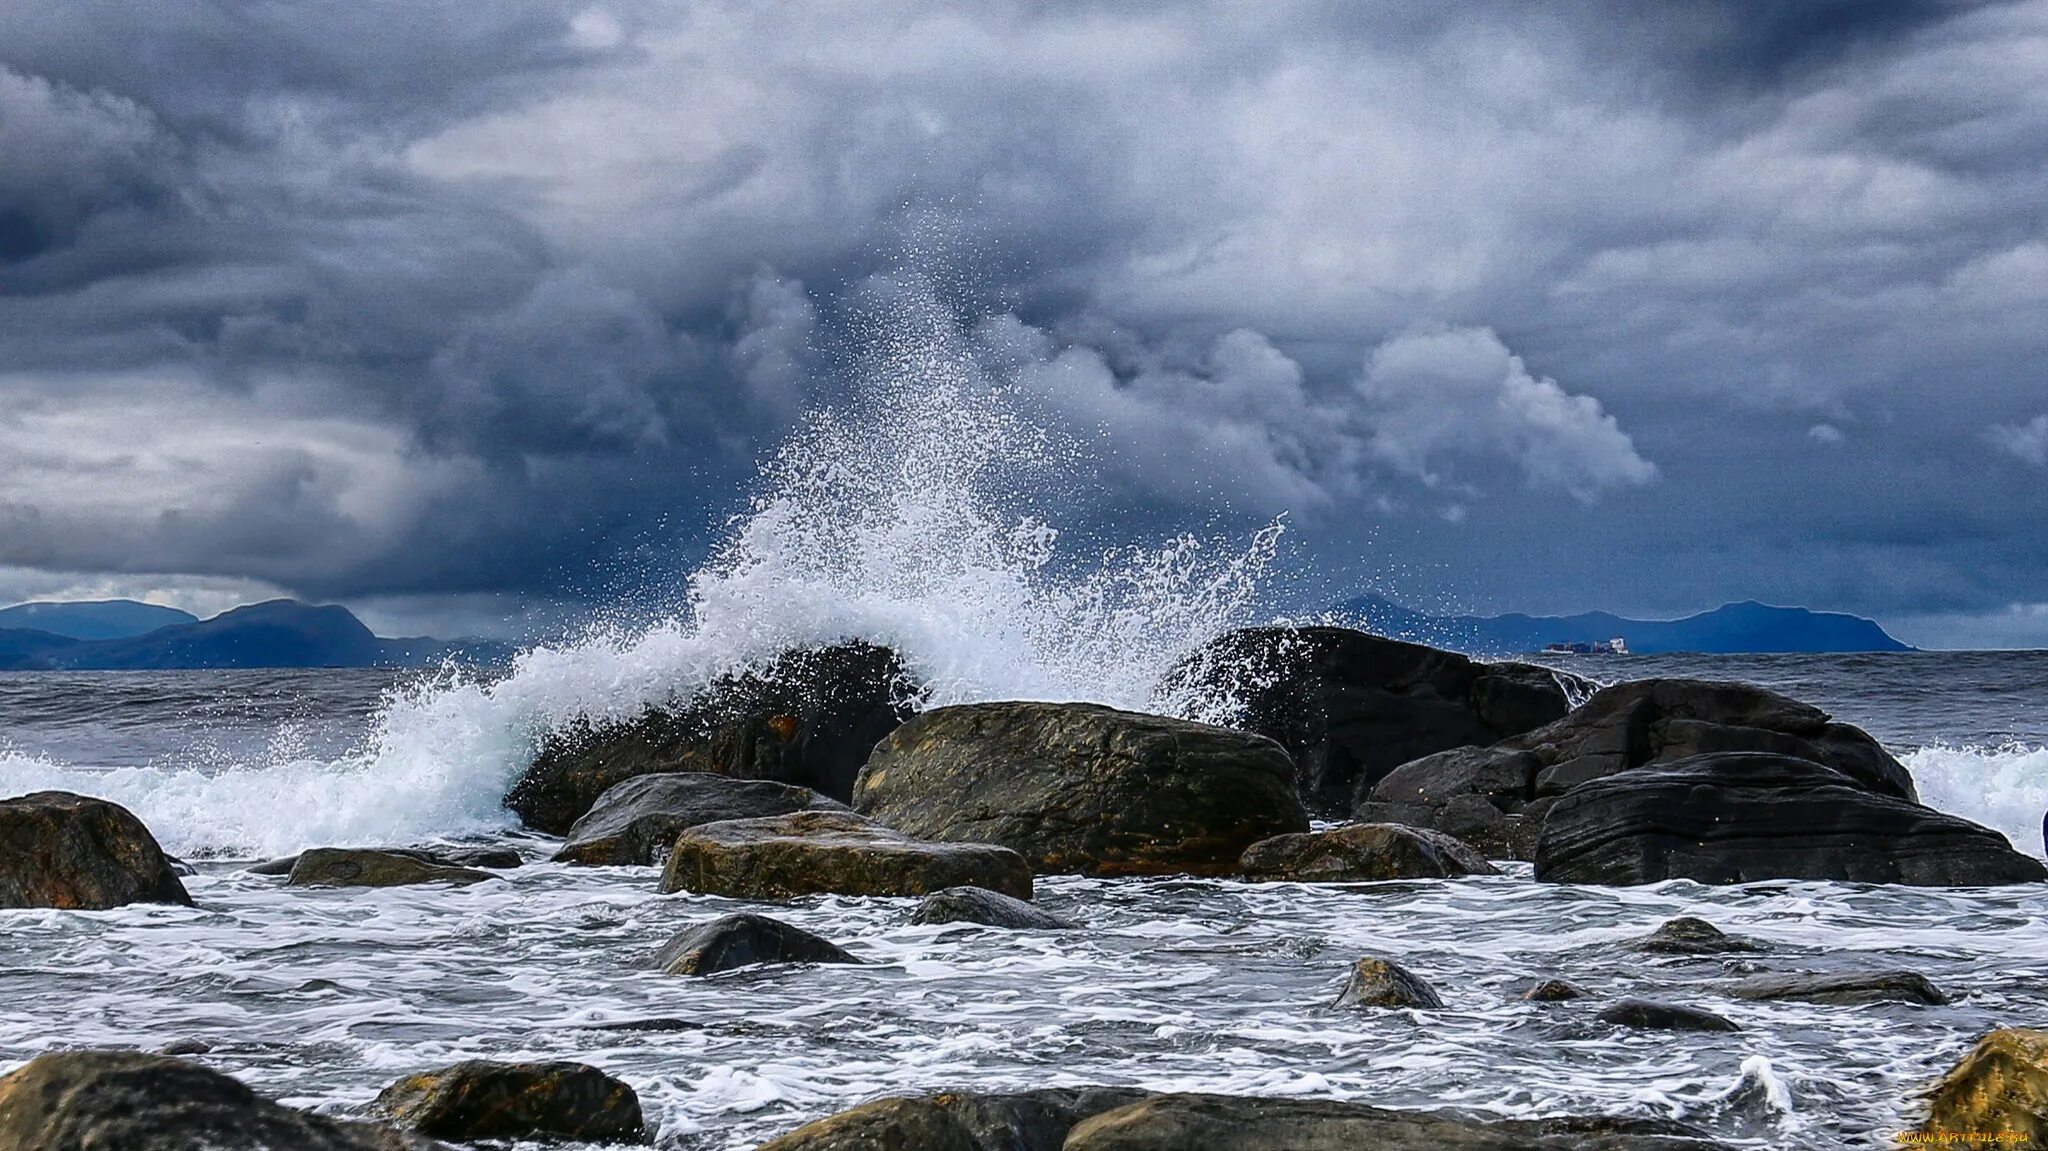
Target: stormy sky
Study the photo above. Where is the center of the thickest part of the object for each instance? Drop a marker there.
(472, 316)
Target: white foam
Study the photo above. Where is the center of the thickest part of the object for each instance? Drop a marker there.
(2001, 787)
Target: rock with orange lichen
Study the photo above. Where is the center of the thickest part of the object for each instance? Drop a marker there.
(1998, 1092)
(70, 851)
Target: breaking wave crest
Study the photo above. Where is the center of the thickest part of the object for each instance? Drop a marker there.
(2000, 787)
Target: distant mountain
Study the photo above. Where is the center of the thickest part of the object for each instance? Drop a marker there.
(281, 633)
(1730, 628)
(94, 619)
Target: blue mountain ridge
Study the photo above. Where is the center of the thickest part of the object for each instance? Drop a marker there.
(277, 634)
(93, 619)
(1745, 627)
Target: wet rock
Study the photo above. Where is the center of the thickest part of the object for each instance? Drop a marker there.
(1364, 853)
(1350, 707)
(814, 852)
(1082, 788)
(1742, 816)
(1553, 991)
(186, 1047)
(1686, 935)
(1496, 798)
(1384, 983)
(479, 1099)
(742, 941)
(1649, 1015)
(1997, 1092)
(1842, 987)
(87, 1100)
(70, 851)
(810, 719)
(501, 858)
(635, 821)
(958, 1121)
(361, 867)
(1249, 1123)
(985, 907)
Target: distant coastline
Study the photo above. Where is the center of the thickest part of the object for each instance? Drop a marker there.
(1747, 627)
(122, 635)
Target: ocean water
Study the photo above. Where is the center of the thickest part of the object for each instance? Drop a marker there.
(918, 516)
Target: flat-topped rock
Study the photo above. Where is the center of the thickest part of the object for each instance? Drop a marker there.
(75, 852)
(636, 821)
(1362, 854)
(987, 908)
(1851, 987)
(832, 852)
(1250, 1123)
(497, 858)
(1650, 1015)
(1082, 788)
(744, 940)
(958, 1121)
(482, 1099)
(362, 867)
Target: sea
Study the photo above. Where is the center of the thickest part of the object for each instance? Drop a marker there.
(920, 514)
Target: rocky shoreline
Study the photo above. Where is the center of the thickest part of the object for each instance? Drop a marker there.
(762, 789)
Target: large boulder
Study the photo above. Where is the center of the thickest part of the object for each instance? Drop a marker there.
(958, 1121)
(1363, 853)
(744, 940)
(635, 821)
(809, 718)
(1350, 707)
(1744, 816)
(1495, 797)
(89, 1100)
(367, 867)
(63, 850)
(831, 852)
(1251, 1123)
(1082, 788)
(1997, 1093)
(479, 1099)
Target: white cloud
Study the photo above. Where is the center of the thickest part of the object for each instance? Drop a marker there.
(1825, 434)
(2028, 441)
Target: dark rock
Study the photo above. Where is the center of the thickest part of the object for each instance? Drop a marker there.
(1997, 1093)
(636, 821)
(478, 1099)
(186, 1047)
(958, 1121)
(1553, 991)
(1365, 853)
(810, 719)
(282, 865)
(1744, 816)
(1686, 935)
(831, 852)
(742, 941)
(1846, 988)
(1248, 1123)
(501, 858)
(127, 1101)
(1496, 798)
(1082, 788)
(985, 907)
(1384, 983)
(361, 867)
(1652, 1016)
(1350, 707)
(63, 850)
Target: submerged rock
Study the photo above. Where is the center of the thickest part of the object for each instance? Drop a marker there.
(479, 1099)
(71, 851)
(1997, 1092)
(1686, 935)
(88, 1100)
(831, 852)
(361, 867)
(1649, 1015)
(635, 822)
(1497, 797)
(985, 907)
(1350, 707)
(1364, 853)
(1843, 987)
(810, 719)
(501, 858)
(1081, 788)
(1553, 991)
(1743, 816)
(1250, 1123)
(743, 941)
(1384, 983)
(958, 1121)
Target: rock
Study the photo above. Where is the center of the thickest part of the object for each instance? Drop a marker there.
(1649, 1015)
(1686, 935)
(1735, 817)
(70, 851)
(1361, 854)
(478, 1099)
(186, 1047)
(1496, 797)
(1384, 983)
(817, 852)
(1845, 987)
(87, 1100)
(362, 867)
(985, 907)
(1553, 991)
(1081, 788)
(502, 858)
(743, 941)
(635, 821)
(810, 718)
(1249, 1123)
(958, 1121)
(1350, 707)
(1997, 1092)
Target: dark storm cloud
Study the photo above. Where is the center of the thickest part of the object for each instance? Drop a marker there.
(1668, 303)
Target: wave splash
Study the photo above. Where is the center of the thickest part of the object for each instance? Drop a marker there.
(2004, 787)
